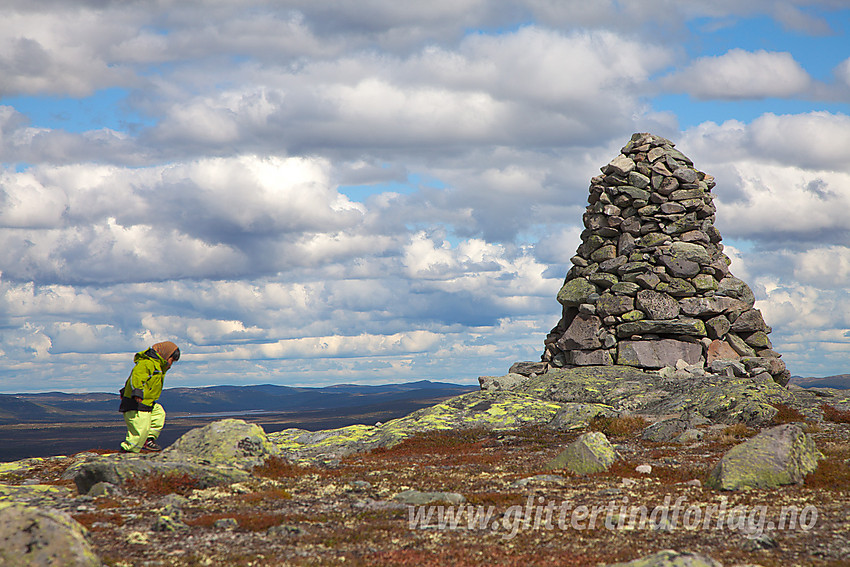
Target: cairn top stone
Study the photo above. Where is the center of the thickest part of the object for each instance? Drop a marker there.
(649, 284)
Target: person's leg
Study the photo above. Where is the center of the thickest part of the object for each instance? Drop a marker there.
(138, 427)
(157, 422)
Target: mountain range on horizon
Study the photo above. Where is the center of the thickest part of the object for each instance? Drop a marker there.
(54, 406)
(839, 382)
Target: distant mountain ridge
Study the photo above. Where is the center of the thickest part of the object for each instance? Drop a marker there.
(839, 382)
(53, 406)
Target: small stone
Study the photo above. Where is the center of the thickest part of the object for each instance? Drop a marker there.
(575, 292)
(643, 469)
(658, 306)
(614, 304)
(620, 165)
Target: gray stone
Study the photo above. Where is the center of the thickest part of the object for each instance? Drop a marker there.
(717, 327)
(603, 280)
(583, 333)
(638, 180)
(613, 264)
(658, 306)
(625, 244)
(677, 287)
(665, 430)
(614, 305)
(597, 357)
(749, 321)
(657, 353)
(625, 288)
(575, 292)
(692, 327)
(709, 306)
(627, 389)
(704, 282)
(419, 498)
(120, 468)
(780, 455)
(741, 347)
(758, 340)
(648, 280)
(42, 537)
(672, 208)
(231, 441)
(590, 453)
(690, 251)
(620, 165)
(736, 289)
(668, 185)
(607, 252)
(576, 415)
(679, 267)
(506, 382)
(527, 368)
(670, 558)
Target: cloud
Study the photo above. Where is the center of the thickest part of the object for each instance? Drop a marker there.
(740, 74)
(465, 133)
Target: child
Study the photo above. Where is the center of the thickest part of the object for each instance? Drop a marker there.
(143, 416)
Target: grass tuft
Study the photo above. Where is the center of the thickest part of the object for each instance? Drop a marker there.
(624, 426)
(786, 414)
(161, 484)
(836, 415)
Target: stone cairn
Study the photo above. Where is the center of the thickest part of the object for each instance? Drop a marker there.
(650, 286)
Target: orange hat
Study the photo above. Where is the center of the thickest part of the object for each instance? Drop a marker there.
(166, 349)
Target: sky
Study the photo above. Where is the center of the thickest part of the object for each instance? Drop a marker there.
(315, 192)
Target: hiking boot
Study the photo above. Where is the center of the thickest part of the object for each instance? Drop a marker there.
(150, 445)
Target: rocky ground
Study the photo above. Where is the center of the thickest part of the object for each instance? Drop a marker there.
(371, 507)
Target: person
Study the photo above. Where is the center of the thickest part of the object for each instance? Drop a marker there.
(142, 414)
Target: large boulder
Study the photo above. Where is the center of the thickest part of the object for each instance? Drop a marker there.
(590, 453)
(40, 537)
(228, 441)
(780, 455)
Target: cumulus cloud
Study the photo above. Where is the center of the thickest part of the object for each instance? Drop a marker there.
(740, 74)
(379, 191)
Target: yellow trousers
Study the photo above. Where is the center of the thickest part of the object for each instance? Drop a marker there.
(141, 426)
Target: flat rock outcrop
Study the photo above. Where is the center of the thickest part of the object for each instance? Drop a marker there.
(650, 284)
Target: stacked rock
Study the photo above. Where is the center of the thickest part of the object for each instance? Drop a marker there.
(650, 285)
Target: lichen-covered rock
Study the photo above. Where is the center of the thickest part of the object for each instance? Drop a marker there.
(232, 441)
(590, 453)
(670, 558)
(40, 537)
(505, 382)
(489, 410)
(780, 455)
(625, 389)
(124, 467)
(578, 415)
(418, 498)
